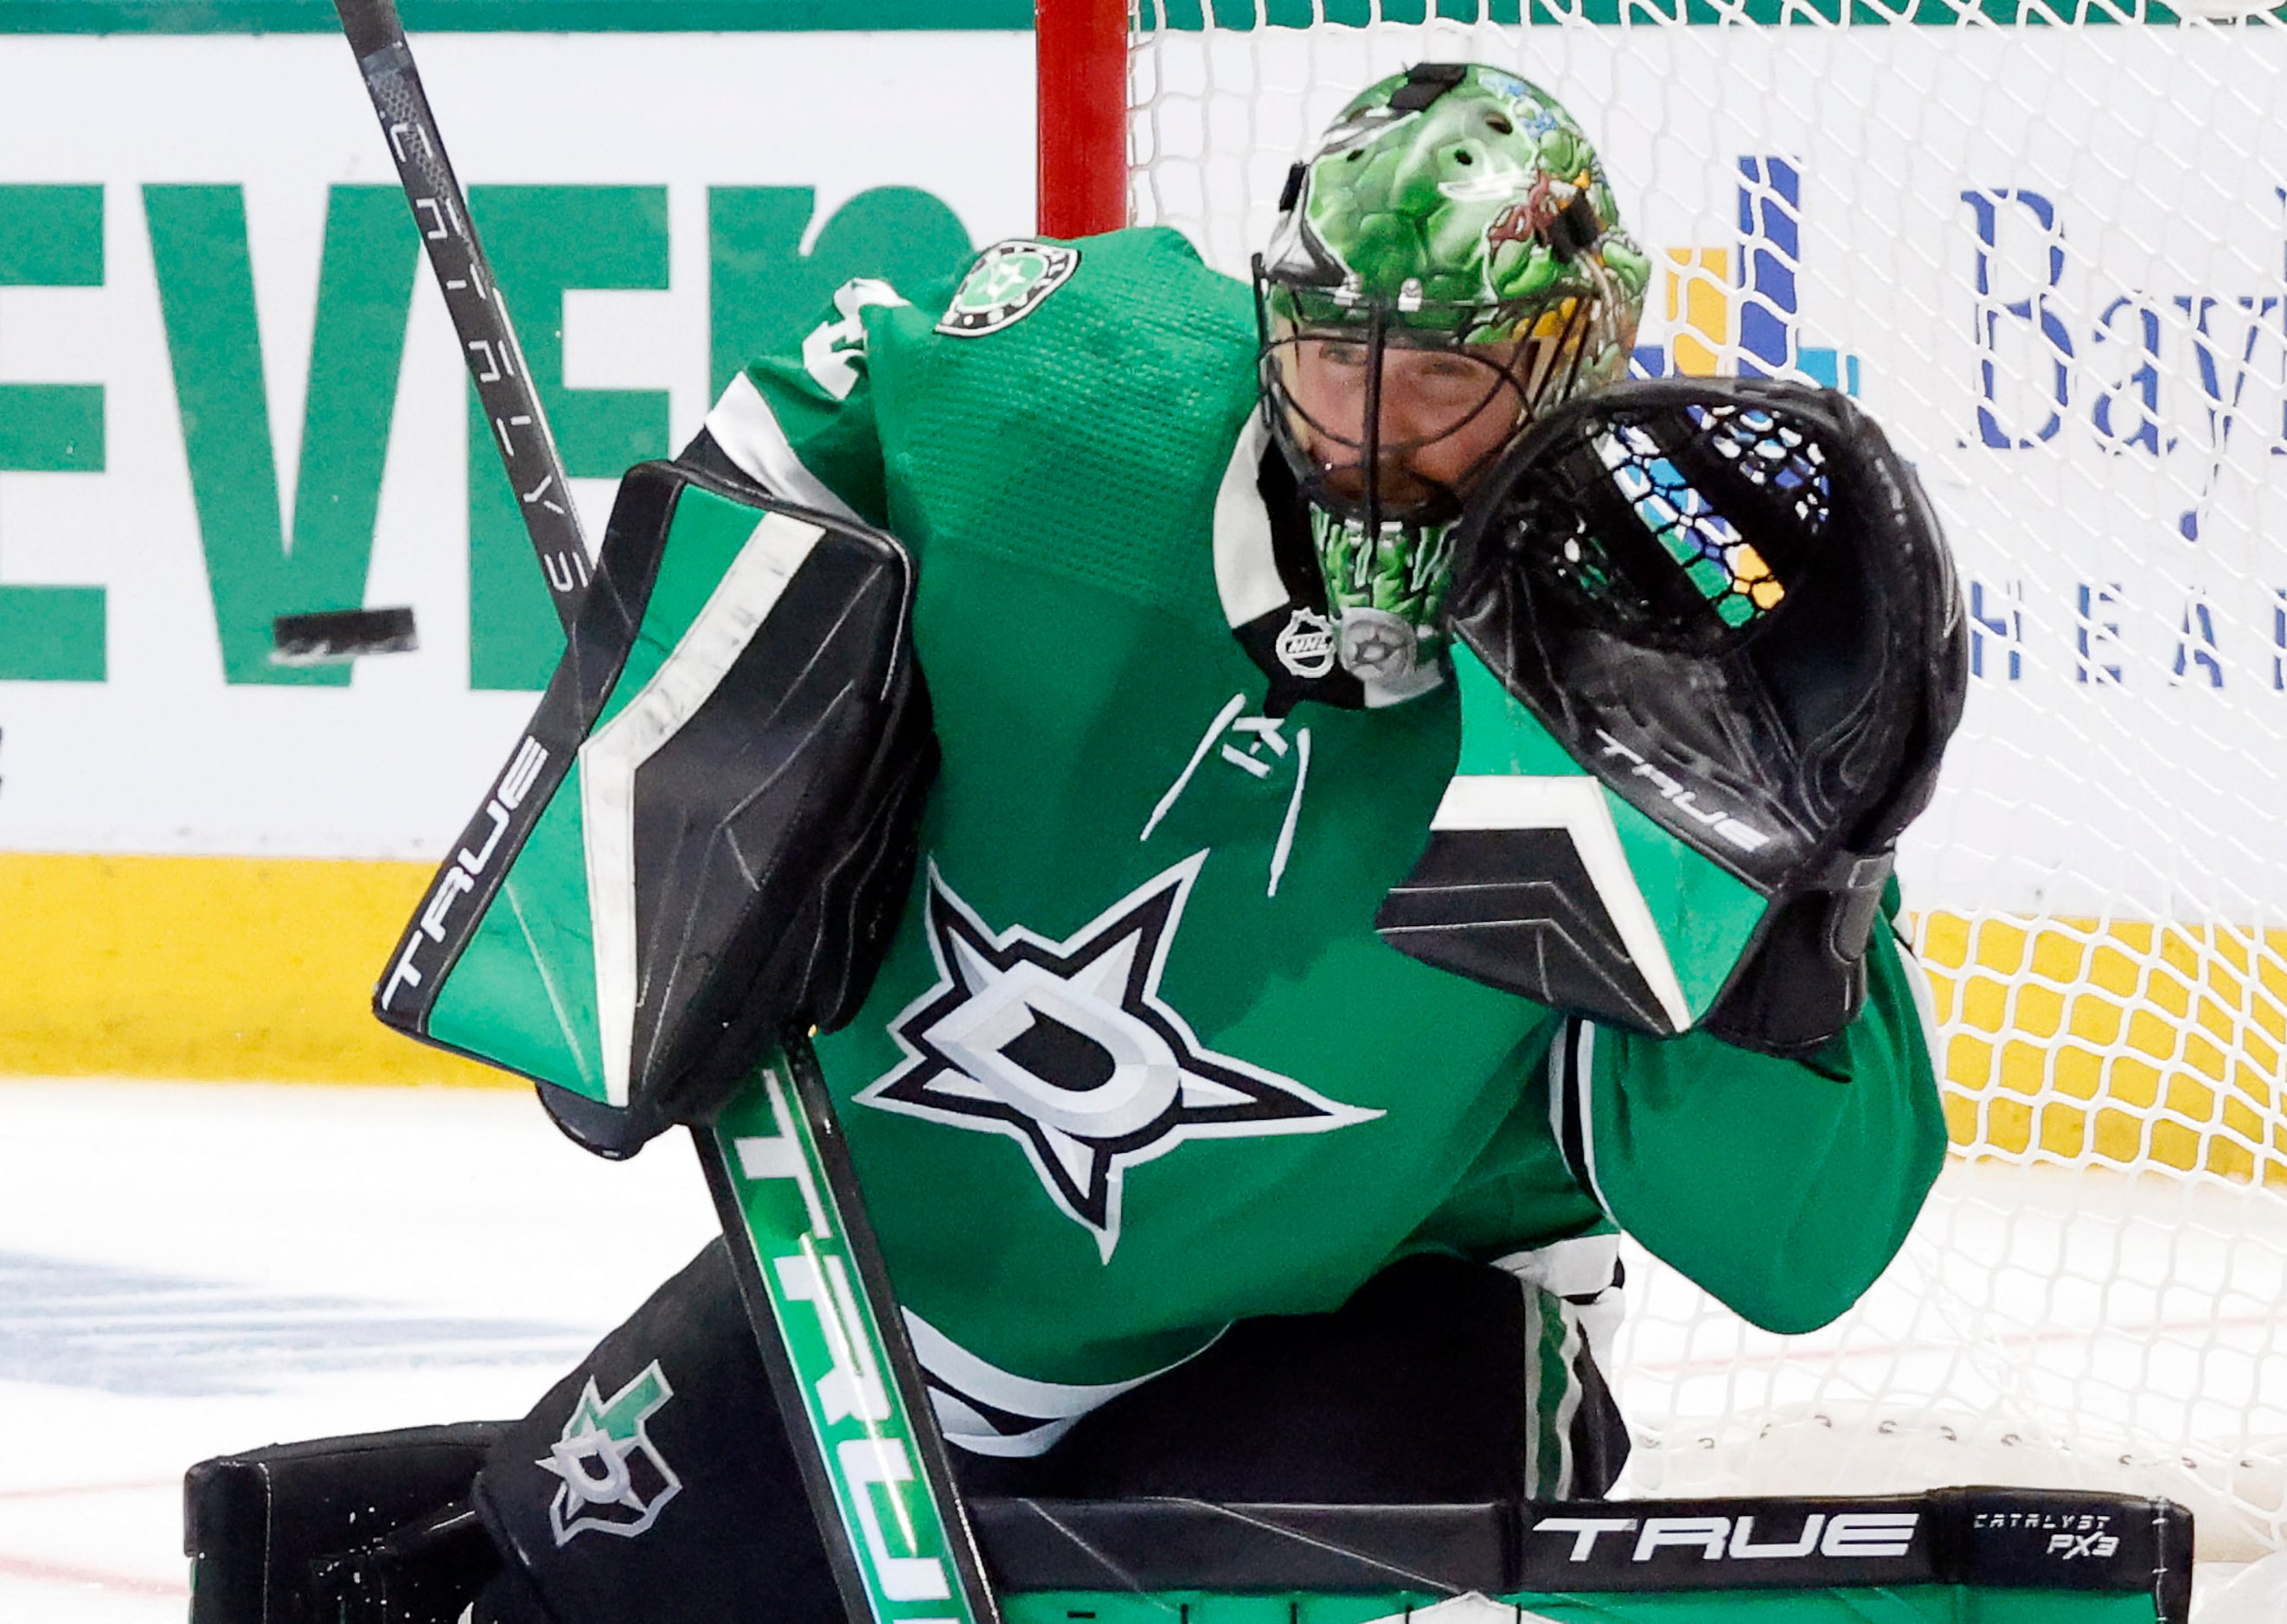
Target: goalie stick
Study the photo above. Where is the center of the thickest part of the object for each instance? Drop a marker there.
(811, 1275)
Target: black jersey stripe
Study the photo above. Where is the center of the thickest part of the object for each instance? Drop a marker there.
(1571, 1069)
(1599, 1441)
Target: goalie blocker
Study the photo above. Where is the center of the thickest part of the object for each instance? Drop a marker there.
(1710, 650)
(700, 840)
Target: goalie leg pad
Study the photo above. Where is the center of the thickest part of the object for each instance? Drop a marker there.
(369, 1528)
(656, 1480)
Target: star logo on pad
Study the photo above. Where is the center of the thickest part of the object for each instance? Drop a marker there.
(1067, 1048)
(610, 1476)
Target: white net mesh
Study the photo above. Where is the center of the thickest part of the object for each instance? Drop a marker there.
(2050, 253)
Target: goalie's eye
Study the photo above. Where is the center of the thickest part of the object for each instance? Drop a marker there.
(1443, 383)
(1427, 396)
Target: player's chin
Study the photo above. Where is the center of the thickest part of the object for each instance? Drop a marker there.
(1395, 485)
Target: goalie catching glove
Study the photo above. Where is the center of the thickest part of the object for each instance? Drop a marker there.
(701, 840)
(1710, 650)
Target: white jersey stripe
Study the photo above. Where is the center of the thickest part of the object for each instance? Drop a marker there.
(1559, 1425)
(744, 426)
(960, 1381)
(1246, 567)
(709, 646)
(1584, 1103)
(1578, 1280)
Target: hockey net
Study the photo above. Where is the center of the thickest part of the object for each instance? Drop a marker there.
(2048, 249)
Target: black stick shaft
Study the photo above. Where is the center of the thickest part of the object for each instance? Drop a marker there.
(473, 299)
(529, 457)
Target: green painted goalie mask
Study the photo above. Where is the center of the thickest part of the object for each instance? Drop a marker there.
(1447, 265)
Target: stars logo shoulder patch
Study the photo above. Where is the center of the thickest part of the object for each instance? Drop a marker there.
(1006, 284)
(1068, 1048)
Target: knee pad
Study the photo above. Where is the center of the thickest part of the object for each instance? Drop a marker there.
(368, 1529)
(656, 1481)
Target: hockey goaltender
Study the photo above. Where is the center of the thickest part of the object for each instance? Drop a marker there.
(1356, 805)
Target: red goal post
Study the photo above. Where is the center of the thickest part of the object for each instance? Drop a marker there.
(1082, 69)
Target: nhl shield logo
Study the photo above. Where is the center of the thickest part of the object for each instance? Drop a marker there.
(1006, 284)
(1307, 646)
(611, 1478)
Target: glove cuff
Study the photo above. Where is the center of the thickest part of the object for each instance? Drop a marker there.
(1807, 981)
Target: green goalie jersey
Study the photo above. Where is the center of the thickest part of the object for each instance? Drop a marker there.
(1137, 1065)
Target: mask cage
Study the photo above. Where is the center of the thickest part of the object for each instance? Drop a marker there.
(1378, 324)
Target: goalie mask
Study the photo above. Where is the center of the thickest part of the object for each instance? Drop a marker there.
(1447, 265)
(1713, 650)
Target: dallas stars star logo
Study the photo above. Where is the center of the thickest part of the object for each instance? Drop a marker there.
(611, 1478)
(1067, 1048)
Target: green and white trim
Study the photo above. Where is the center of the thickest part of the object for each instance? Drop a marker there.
(1572, 1308)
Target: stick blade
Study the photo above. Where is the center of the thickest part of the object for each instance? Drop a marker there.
(335, 636)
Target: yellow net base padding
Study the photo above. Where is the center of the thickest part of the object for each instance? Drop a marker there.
(2132, 1042)
(207, 967)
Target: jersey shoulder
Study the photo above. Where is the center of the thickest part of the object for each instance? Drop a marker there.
(1128, 294)
(1071, 409)
(1007, 280)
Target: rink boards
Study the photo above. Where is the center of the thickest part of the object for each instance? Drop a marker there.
(218, 343)
(2061, 1039)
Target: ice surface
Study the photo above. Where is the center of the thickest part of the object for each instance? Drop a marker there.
(188, 1269)
(191, 1268)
